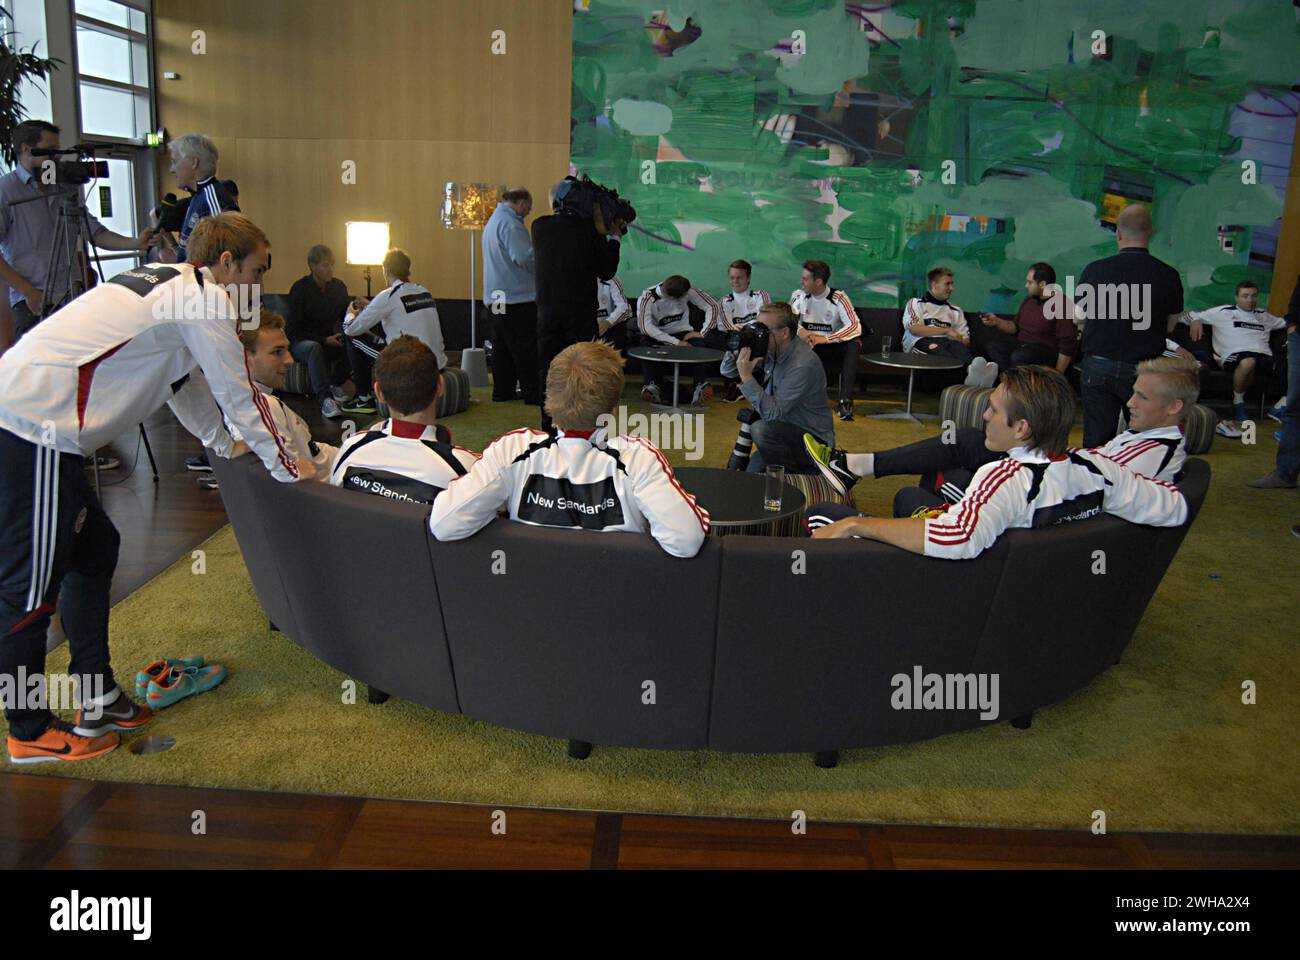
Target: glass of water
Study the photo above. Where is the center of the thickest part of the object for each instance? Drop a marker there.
(885, 344)
(774, 486)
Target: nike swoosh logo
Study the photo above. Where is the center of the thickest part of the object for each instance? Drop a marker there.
(66, 748)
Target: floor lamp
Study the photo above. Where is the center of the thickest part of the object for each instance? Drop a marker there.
(367, 246)
(467, 206)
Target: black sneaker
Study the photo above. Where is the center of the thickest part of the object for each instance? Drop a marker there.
(208, 481)
(845, 410)
(199, 464)
(362, 403)
(105, 463)
(732, 393)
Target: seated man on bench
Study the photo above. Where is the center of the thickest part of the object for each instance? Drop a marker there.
(1153, 445)
(579, 479)
(1039, 483)
(408, 456)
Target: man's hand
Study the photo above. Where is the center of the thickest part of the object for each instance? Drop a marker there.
(33, 297)
(1198, 329)
(334, 340)
(692, 335)
(306, 470)
(815, 339)
(238, 450)
(146, 238)
(745, 364)
(601, 327)
(989, 320)
(839, 530)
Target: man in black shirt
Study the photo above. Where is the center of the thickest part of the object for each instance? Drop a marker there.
(317, 303)
(1127, 304)
(571, 254)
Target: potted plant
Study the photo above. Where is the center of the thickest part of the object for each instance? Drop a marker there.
(16, 65)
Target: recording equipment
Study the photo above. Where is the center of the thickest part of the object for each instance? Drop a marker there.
(75, 172)
(744, 447)
(754, 335)
(170, 214)
(581, 198)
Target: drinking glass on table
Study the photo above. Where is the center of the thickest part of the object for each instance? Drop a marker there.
(885, 344)
(774, 486)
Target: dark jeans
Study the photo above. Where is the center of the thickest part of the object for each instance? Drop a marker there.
(1288, 452)
(359, 352)
(554, 333)
(942, 466)
(1009, 353)
(514, 353)
(74, 556)
(778, 443)
(325, 366)
(1107, 386)
(617, 336)
(944, 345)
(841, 360)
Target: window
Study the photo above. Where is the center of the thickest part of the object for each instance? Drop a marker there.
(27, 26)
(113, 70)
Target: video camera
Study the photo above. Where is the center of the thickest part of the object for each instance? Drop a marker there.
(753, 335)
(581, 197)
(77, 172)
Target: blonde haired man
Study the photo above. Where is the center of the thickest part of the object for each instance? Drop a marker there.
(579, 479)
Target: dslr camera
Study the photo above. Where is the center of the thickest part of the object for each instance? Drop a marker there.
(753, 335)
(581, 197)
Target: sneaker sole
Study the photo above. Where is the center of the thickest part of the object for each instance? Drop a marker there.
(827, 472)
(93, 732)
(203, 469)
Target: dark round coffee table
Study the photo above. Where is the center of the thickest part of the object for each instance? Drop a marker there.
(735, 502)
(911, 362)
(665, 353)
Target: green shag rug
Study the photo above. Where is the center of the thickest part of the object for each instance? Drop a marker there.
(1160, 742)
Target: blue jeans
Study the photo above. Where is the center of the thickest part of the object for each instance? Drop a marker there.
(1288, 453)
(1107, 386)
(318, 360)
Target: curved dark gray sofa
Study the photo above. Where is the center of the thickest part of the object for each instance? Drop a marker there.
(557, 632)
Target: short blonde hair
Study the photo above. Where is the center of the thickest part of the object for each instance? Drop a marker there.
(197, 147)
(214, 236)
(269, 320)
(1180, 378)
(584, 382)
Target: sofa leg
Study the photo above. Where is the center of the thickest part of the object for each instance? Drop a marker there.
(827, 759)
(1023, 722)
(579, 749)
(375, 695)
(274, 628)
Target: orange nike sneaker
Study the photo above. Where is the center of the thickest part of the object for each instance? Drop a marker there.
(58, 742)
(122, 714)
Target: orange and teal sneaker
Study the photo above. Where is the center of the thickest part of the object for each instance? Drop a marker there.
(180, 682)
(122, 714)
(157, 669)
(61, 742)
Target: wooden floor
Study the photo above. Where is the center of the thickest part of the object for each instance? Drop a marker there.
(53, 822)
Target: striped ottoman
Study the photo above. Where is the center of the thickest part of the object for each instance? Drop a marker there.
(455, 394)
(964, 405)
(295, 380)
(1199, 429)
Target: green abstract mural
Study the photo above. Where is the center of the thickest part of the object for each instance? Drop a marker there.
(981, 134)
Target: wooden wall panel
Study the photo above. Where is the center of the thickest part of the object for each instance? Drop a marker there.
(408, 89)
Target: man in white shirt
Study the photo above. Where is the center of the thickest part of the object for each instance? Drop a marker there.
(829, 324)
(612, 313)
(1240, 341)
(664, 317)
(1039, 483)
(269, 356)
(95, 369)
(739, 307)
(933, 324)
(402, 308)
(1153, 445)
(579, 479)
(408, 457)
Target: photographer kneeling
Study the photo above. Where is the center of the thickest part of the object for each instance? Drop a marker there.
(788, 393)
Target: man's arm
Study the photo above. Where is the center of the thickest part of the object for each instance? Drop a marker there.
(648, 327)
(918, 327)
(712, 311)
(106, 239)
(676, 520)
(198, 413)
(1136, 498)
(902, 532)
(370, 315)
(518, 247)
(618, 301)
(16, 281)
(853, 327)
(470, 502)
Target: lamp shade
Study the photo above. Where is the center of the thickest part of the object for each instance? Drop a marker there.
(467, 206)
(367, 243)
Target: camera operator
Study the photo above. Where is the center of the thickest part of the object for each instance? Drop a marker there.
(574, 246)
(27, 229)
(788, 393)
